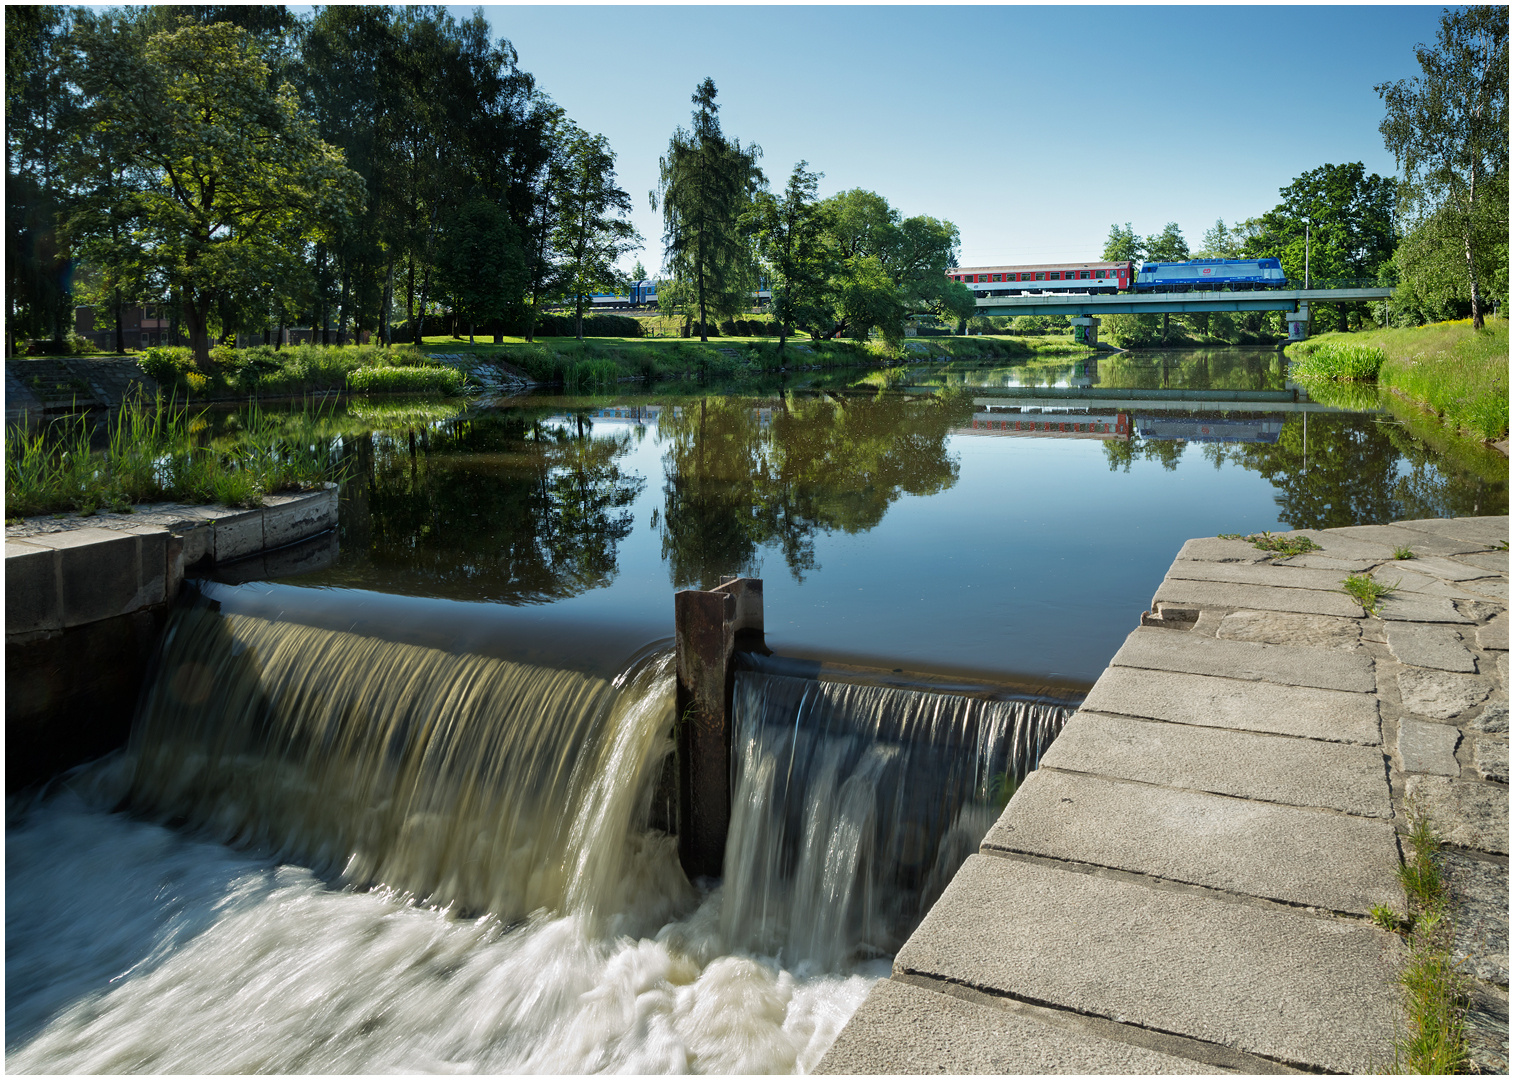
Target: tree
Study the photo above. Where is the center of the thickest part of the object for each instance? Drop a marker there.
(235, 178)
(1335, 221)
(1220, 242)
(482, 267)
(1123, 245)
(1448, 130)
(706, 184)
(591, 231)
(1167, 245)
(40, 117)
(791, 239)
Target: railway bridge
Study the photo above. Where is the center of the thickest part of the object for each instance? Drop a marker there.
(1083, 307)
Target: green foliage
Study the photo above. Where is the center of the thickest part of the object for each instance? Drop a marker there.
(1403, 553)
(706, 184)
(1287, 546)
(232, 178)
(400, 380)
(1337, 360)
(1435, 990)
(1459, 372)
(1167, 245)
(591, 232)
(166, 363)
(1123, 245)
(1366, 590)
(1448, 130)
(154, 453)
(482, 267)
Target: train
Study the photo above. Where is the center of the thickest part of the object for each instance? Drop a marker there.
(1113, 277)
(643, 294)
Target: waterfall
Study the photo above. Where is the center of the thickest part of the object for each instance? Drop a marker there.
(855, 804)
(461, 781)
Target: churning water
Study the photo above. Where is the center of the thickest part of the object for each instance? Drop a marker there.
(365, 855)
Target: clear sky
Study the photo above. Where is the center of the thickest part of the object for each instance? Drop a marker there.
(1033, 129)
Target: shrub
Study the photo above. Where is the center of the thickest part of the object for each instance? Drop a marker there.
(1337, 360)
(393, 380)
(166, 363)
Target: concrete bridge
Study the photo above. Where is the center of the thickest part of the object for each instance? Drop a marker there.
(1174, 303)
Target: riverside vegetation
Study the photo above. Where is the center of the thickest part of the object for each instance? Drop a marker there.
(158, 451)
(1459, 373)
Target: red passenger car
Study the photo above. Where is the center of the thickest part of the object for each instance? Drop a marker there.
(1082, 277)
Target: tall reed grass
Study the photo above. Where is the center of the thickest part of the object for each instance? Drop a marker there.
(158, 451)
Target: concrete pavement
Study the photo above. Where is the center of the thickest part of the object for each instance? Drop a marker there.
(1185, 884)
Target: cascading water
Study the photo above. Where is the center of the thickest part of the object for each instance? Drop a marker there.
(345, 853)
(855, 805)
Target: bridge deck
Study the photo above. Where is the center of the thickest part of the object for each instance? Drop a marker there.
(1172, 303)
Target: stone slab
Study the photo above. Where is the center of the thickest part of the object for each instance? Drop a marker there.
(1495, 588)
(1439, 694)
(1325, 562)
(1495, 714)
(1418, 607)
(1489, 531)
(1306, 712)
(1428, 748)
(1216, 549)
(1334, 544)
(1287, 577)
(1481, 890)
(1272, 768)
(1419, 541)
(33, 599)
(1286, 853)
(1491, 759)
(1316, 993)
(903, 1029)
(1429, 646)
(1466, 813)
(1290, 628)
(1496, 561)
(1221, 594)
(1328, 669)
(1453, 569)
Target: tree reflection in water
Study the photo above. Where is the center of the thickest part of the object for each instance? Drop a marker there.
(1358, 470)
(738, 477)
(504, 507)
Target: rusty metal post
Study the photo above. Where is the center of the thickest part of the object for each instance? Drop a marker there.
(707, 626)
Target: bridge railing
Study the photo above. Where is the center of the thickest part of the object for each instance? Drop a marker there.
(1314, 283)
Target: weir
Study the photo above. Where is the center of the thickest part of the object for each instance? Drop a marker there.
(504, 812)
(484, 785)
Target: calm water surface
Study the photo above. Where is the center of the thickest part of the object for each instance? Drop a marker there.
(913, 527)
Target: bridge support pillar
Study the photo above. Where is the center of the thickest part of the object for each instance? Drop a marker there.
(1298, 323)
(1085, 330)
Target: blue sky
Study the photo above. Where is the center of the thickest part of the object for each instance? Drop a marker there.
(1033, 129)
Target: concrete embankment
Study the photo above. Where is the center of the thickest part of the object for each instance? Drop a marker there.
(1185, 884)
(86, 600)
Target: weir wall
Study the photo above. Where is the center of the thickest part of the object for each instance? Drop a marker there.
(1186, 884)
(87, 598)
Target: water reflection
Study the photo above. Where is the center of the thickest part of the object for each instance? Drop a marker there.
(1189, 369)
(738, 478)
(502, 506)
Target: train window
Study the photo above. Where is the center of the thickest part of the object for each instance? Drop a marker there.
(1056, 275)
(1082, 273)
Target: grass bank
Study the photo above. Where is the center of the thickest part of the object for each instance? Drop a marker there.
(296, 370)
(596, 363)
(158, 451)
(1460, 374)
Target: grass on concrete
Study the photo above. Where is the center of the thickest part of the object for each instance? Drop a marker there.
(1366, 590)
(1286, 546)
(1435, 990)
(155, 451)
(1460, 374)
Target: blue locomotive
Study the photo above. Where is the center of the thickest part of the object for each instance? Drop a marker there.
(1210, 274)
